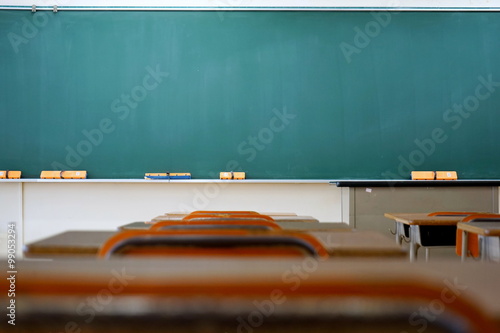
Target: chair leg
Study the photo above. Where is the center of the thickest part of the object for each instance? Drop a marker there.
(482, 248)
(465, 244)
(414, 242)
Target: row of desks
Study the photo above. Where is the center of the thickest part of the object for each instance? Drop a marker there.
(414, 222)
(338, 239)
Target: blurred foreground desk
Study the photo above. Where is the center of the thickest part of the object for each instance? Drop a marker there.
(359, 243)
(343, 242)
(291, 295)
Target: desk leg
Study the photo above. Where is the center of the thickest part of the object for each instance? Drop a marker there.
(482, 248)
(399, 233)
(414, 242)
(465, 244)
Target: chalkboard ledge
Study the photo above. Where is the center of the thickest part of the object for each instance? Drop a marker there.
(178, 181)
(338, 183)
(415, 183)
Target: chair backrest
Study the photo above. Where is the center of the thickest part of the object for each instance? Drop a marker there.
(216, 224)
(212, 243)
(483, 217)
(453, 213)
(228, 217)
(224, 212)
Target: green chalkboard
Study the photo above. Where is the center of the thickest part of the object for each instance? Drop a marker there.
(278, 94)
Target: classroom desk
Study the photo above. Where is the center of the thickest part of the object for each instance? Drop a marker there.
(294, 218)
(284, 225)
(68, 243)
(276, 218)
(342, 242)
(313, 226)
(414, 221)
(359, 243)
(482, 229)
(197, 290)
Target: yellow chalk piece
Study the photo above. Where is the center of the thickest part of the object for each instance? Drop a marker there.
(226, 175)
(10, 174)
(446, 175)
(167, 175)
(180, 174)
(238, 175)
(63, 174)
(423, 175)
(155, 175)
(51, 175)
(232, 175)
(74, 174)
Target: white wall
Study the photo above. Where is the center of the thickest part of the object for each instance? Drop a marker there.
(46, 208)
(10, 211)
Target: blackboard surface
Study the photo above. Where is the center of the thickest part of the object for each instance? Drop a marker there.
(280, 95)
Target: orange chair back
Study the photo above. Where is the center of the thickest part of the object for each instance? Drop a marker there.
(225, 212)
(212, 243)
(213, 217)
(216, 224)
(452, 213)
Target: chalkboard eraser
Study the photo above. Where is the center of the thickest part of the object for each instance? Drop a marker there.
(232, 175)
(9, 174)
(423, 175)
(167, 175)
(446, 175)
(63, 174)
